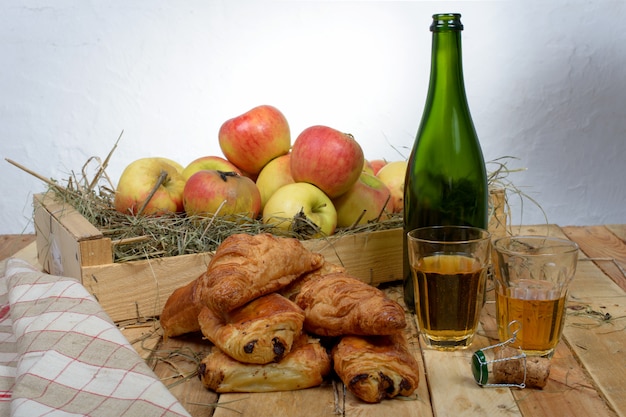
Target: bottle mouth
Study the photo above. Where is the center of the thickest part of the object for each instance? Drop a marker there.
(443, 22)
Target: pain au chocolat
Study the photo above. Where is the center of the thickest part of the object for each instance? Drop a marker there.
(305, 366)
(376, 367)
(260, 332)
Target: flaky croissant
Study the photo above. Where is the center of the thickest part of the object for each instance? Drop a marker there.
(180, 313)
(337, 304)
(293, 289)
(260, 332)
(305, 366)
(246, 267)
(376, 367)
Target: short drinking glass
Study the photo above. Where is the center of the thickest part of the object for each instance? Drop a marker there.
(532, 274)
(449, 268)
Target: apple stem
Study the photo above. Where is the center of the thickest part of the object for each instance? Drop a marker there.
(159, 182)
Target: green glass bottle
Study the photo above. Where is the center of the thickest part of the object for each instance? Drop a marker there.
(446, 179)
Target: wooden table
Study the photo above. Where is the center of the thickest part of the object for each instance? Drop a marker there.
(588, 371)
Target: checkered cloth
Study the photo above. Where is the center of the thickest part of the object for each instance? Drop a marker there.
(61, 355)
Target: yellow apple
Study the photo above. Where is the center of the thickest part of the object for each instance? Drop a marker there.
(303, 208)
(273, 176)
(138, 180)
(392, 174)
(366, 201)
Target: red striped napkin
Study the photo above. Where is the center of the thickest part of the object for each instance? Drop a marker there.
(61, 355)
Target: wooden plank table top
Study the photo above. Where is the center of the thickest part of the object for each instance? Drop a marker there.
(587, 376)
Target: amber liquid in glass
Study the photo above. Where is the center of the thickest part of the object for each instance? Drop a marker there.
(538, 308)
(448, 293)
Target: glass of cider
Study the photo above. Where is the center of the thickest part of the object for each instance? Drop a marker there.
(532, 275)
(449, 269)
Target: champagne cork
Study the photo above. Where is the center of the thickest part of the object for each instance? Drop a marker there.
(511, 371)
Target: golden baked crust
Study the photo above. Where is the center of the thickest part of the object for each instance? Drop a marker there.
(292, 290)
(337, 304)
(260, 332)
(246, 267)
(305, 366)
(376, 367)
(180, 313)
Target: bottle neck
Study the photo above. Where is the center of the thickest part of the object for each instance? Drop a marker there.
(446, 70)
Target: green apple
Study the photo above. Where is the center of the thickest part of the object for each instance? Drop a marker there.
(365, 202)
(303, 208)
(209, 163)
(274, 175)
(392, 174)
(140, 178)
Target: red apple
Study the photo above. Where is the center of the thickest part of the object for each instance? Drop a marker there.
(327, 158)
(212, 192)
(392, 174)
(303, 208)
(254, 138)
(138, 180)
(377, 164)
(365, 202)
(274, 175)
(209, 163)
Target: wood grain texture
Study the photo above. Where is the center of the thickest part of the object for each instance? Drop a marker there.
(605, 248)
(587, 374)
(11, 244)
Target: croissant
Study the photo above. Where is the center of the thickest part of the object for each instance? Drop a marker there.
(292, 290)
(180, 313)
(260, 332)
(246, 267)
(305, 366)
(376, 367)
(337, 304)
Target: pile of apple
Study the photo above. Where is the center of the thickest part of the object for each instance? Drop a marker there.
(321, 180)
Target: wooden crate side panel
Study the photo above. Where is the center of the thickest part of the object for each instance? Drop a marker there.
(374, 257)
(498, 218)
(66, 241)
(77, 225)
(140, 289)
(57, 249)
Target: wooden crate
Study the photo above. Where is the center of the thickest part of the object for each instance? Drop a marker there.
(69, 245)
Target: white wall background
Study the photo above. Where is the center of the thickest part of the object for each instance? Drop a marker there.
(546, 82)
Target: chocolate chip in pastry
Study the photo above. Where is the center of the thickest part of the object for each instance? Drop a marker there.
(260, 332)
(305, 366)
(374, 368)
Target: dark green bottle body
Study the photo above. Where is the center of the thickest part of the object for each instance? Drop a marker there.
(446, 179)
